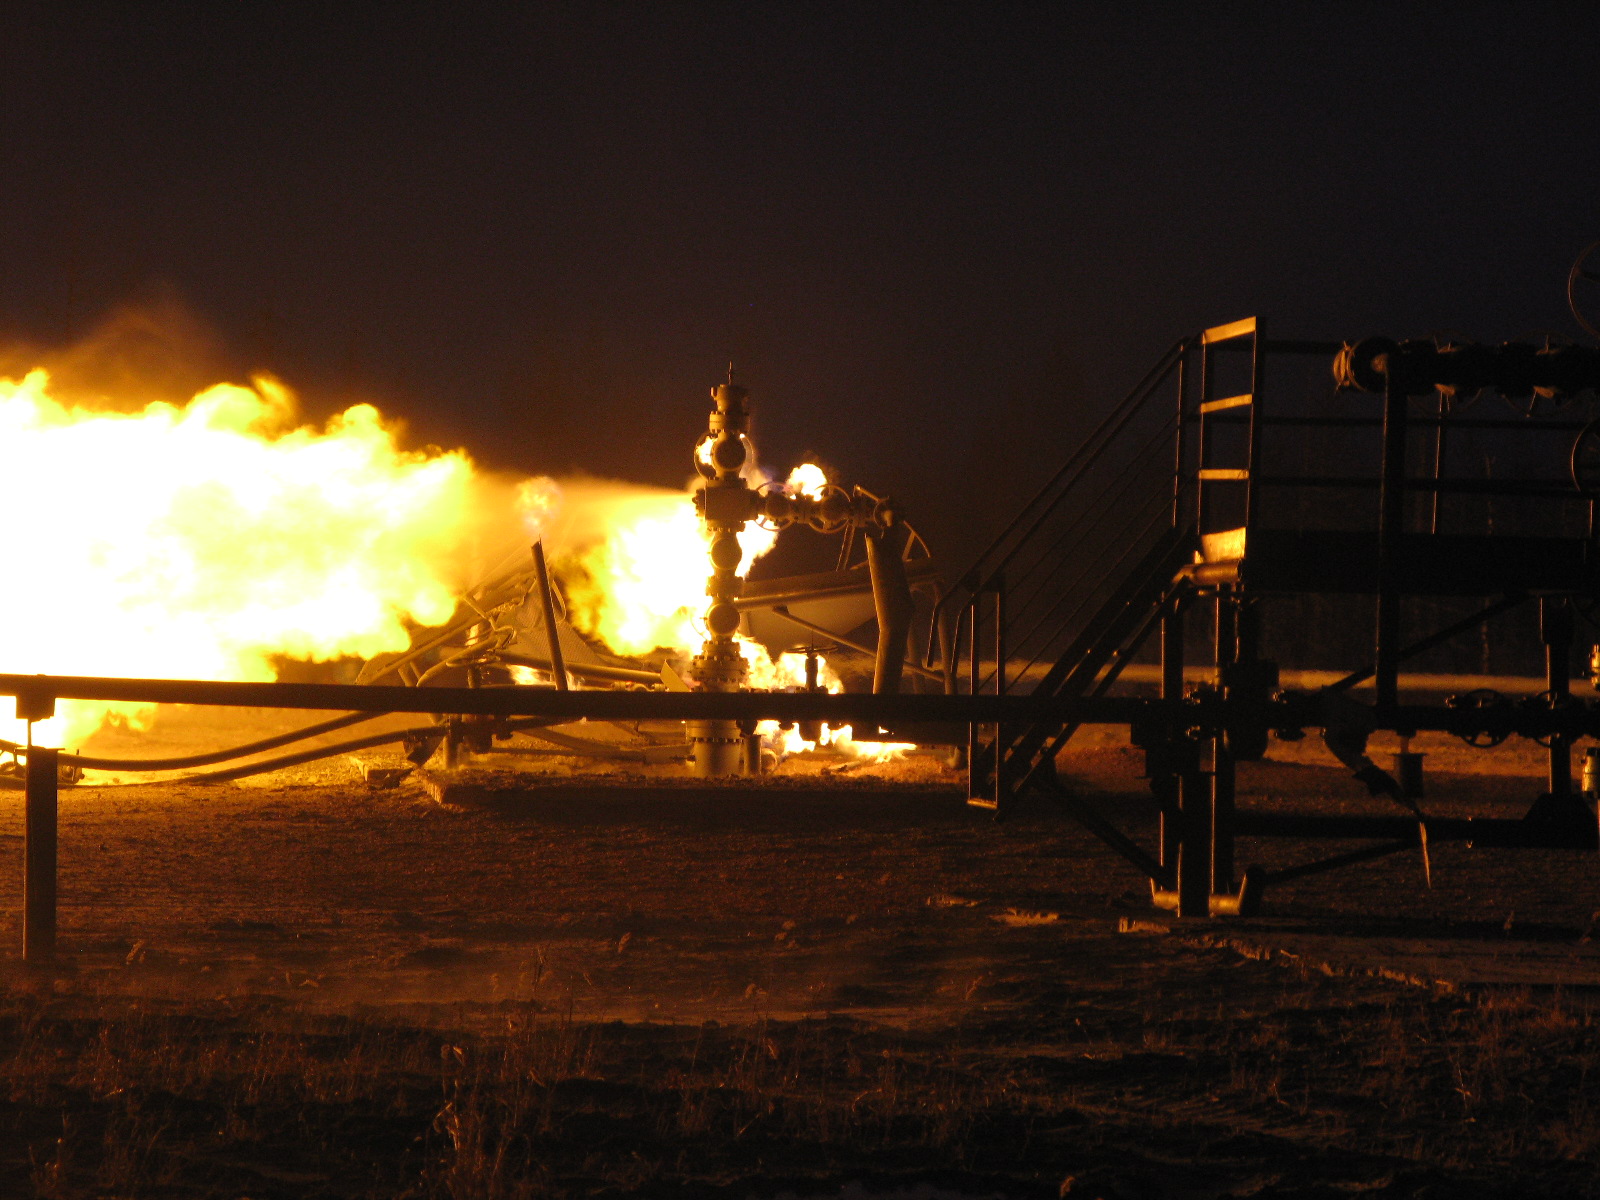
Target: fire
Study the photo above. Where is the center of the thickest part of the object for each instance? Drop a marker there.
(201, 540)
(635, 580)
(637, 567)
(634, 566)
(808, 480)
(208, 538)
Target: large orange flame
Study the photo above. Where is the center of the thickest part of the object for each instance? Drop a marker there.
(206, 539)
(200, 540)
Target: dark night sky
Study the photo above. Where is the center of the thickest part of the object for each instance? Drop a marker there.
(934, 238)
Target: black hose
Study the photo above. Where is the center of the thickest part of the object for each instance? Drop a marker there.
(90, 763)
(305, 756)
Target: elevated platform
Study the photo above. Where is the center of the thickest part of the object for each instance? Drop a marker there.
(1346, 562)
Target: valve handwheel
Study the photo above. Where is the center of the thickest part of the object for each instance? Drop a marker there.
(1484, 701)
(1584, 278)
(1555, 702)
(1586, 460)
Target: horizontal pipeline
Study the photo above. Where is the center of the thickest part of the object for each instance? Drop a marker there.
(36, 691)
(36, 695)
(1505, 832)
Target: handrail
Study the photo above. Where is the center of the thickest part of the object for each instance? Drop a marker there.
(1107, 500)
(1151, 514)
(989, 566)
(1095, 442)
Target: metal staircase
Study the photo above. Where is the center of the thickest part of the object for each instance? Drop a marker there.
(1111, 550)
(1071, 590)
(1173, 505)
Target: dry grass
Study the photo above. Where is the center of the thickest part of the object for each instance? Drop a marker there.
(163, 1104)
(146, 1103)
(986, 1055)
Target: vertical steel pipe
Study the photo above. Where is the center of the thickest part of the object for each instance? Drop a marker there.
(1172, 623)
(1555, 627)
(1194, 845)
(1001, 797)
(1202, 507)
(726, 504)
(558, 662)
(1258, 379)
(1223, 789)
(973, 740)
(39, 857)
(1230, 623)
(1172, 649)
(892, 604)
(1180, 447)
(1439, 433)
(1391, 532)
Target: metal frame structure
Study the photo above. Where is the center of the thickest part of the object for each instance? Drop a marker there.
(1062, 618)
(1161, 722)
(1061, 625)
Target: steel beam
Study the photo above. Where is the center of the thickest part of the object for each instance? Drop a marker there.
(1293, 711)
(39, 857)
(837, 707)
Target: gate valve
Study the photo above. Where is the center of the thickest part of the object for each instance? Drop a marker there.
(1483, 717)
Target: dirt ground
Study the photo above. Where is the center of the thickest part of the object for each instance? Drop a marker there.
(297, 985)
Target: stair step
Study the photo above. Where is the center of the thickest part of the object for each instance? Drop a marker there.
(1226, 333)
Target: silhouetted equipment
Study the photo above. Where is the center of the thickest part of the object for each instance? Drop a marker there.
(1204, 492)
(1119, 550)
(727, 503)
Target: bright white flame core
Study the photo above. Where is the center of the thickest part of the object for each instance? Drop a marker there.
(199, 541)
(808, 480)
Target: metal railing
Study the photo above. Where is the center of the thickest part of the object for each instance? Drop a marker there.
(1049, 571)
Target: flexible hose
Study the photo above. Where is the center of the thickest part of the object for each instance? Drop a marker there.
(305, 756)
(91, 763)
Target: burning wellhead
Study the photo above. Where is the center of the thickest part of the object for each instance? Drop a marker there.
(210, 538)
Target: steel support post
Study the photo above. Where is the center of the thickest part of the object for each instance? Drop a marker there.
(1170, 831)
(1555, 625)
(1438, 462)
(1180, 447)
(1194, 845)
(1258, 380)
(1223, 787)
(974, 664)
(1171, 689)
(949, 630)
(39, 857)
(1391, 528)
(1230, 624)
(547, 609)
(1001, 794)
(1172, 650)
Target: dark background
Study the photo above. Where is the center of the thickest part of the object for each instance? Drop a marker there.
(935, 239)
